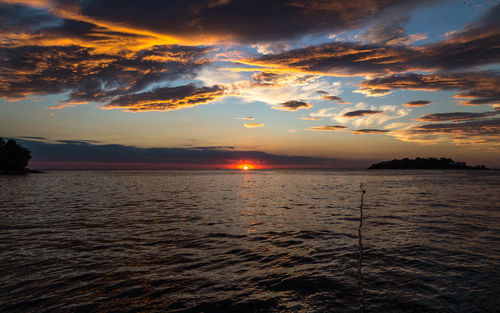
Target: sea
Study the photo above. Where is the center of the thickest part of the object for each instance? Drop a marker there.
(250, 241)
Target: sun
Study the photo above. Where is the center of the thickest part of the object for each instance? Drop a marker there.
(245, 168)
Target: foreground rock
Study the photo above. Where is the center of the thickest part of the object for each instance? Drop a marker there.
(425, 164)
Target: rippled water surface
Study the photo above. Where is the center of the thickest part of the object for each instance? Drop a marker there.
(260, 241)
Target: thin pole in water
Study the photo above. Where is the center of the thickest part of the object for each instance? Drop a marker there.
(360, 247)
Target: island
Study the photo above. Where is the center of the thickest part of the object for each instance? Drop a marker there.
(425, 164)
(14, 158)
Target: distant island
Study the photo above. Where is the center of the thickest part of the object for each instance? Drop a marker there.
(425, 164)
(14, 158)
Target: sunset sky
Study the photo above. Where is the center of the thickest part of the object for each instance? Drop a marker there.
(221, 83)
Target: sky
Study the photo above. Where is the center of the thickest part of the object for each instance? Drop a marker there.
(269, 84)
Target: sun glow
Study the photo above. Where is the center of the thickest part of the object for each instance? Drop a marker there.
(245, 166)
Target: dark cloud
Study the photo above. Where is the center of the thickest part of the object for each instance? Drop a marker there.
(32, 137)
(16, 18)
(340, 59)
(417, 103)
(476, 45)
(347, 59)
(293, 106)
(369, 131)
(90, 76)
(326, 96)
(167, 98)
(476, 87)
(327, 128)
(253, 20)
(88, 155)
(485, 132)
(469, 128)
(456, 116)
(361, 113)
(265, 79)
(77, 142)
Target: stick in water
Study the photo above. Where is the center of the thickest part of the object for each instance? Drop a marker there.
(360, 247)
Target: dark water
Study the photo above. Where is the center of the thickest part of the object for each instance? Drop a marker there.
(262, 241)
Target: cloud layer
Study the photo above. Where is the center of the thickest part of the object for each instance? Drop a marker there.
(475, 87)
(327, 128)
(82, 154)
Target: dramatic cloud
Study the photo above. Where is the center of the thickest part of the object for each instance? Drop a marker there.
(369, 131)
(327, 128)
(456, 116)
(270, 88)
(476, 45)
(293, 106)
(34, 70)
(310, 118)
(253, 125)
(479, 87)
(361, 113)
(167, 98)
(247, 20)
(417, 103)
(337, 59)
(69, 154)
(245, 118)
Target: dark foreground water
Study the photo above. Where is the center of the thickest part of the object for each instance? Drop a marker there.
(262, 241)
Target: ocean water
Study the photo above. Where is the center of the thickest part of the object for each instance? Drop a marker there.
(257, 241)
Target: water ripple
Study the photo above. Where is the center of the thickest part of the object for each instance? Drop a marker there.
(262, 241)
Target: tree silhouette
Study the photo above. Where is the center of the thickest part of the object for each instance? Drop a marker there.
(13, 157)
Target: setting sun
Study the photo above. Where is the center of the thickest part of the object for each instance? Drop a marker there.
(245, 166)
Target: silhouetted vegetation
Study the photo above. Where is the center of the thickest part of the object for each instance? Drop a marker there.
(425, 163)
(13, 157)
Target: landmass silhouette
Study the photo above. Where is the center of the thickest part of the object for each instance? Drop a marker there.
(14, 158)
(425, 164)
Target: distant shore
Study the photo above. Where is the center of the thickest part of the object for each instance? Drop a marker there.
(425, 164)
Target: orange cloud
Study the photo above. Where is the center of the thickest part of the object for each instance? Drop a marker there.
(253, 125)
(88, 76)
(327, 128)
